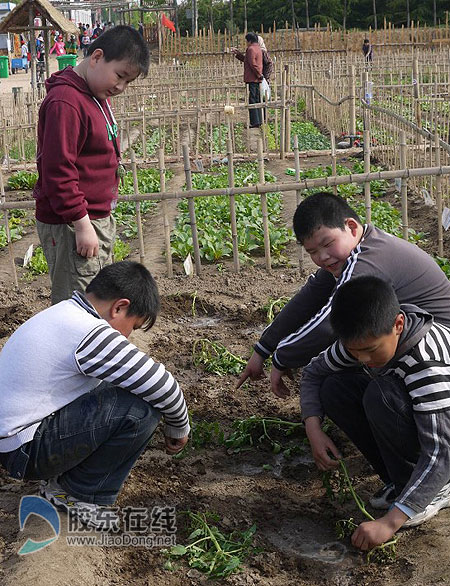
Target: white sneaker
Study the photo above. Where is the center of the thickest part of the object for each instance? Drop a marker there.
(440, 501)
(90, 514)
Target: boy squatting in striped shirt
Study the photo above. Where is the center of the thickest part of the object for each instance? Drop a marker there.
(386, 383)
(343, 248)
(79, 401)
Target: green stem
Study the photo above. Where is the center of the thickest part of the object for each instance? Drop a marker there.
(357, 499)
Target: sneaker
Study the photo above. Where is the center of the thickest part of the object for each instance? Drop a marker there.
(90, 514)
(440, 501)
(384, 498)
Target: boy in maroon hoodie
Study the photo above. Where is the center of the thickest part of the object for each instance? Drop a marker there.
(78, 159)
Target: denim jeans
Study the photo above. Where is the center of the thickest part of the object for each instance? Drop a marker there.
(377, 415)
(90, 444)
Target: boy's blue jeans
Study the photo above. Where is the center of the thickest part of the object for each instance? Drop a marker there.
(90, 444)
(377, 415)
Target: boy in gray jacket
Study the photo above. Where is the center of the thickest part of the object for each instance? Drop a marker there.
(343, 248)
(386, 383)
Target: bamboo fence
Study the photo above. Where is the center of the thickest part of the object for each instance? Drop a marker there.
(396, 107)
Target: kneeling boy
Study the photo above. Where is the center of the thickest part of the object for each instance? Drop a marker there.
(80, 402)
(386, 383)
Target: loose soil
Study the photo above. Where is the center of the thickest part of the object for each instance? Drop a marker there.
(295, 519)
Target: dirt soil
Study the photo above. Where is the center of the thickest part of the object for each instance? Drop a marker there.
(284, 497)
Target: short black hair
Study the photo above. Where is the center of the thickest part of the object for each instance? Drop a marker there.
(123, 42)
(251, 37)
(366, 41)
(128, 280)
(321, 209)
(364, 307)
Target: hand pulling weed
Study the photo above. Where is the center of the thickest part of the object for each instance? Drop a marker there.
(381, 554)
(203, 434)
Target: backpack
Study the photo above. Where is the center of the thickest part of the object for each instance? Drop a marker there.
(267, 65)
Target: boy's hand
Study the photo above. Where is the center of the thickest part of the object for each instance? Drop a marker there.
(254, 369)
(321, 445)
(373, 533)
(277, 384)
(85, 237)
(175, 444)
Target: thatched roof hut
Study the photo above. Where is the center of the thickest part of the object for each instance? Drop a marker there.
(18, 20)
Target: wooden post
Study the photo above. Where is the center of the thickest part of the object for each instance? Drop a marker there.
(138, 208)
(404, 185)
(416, 94)
(313, 95)
(8, 233)
(191, 204)
(287, 134)
(162, 189)
(265, 215)
(333, 159)
(352, 104)
(438, 189)
(283, 116)
(367, 201)
(298, 196)
(234, 232)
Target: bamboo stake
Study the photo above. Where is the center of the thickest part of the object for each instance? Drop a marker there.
(283, 116)
(368, 203)
(352, 105)
(138, 208)
(8, 233)
(162, 188)
(265, 215)
(438, 188)
(298, 196)
(404, 186)
(287, 138)
(333, 159)
(234, 232)
(191, 204)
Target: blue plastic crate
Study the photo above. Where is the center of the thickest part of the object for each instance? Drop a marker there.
(19, 63)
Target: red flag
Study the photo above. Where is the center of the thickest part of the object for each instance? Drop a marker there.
(168, 23)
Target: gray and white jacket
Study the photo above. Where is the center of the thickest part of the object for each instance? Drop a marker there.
(302, 329)
(64, 352)
(422, 361)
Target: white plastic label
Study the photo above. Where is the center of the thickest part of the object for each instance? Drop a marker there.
(188, 266)
(446, 218)
(28, 255)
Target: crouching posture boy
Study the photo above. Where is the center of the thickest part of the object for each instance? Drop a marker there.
(80, 402)
(343, 248)
(386, 383)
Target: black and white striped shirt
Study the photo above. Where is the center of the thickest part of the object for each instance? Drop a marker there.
(422, 362)
(62, 353)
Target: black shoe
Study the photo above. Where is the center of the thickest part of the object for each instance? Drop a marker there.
(383, 498)
(255, 125)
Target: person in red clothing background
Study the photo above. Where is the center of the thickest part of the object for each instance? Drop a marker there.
(253, 75)
(78, 159)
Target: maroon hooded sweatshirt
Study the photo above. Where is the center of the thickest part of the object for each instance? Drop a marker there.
(76, 161)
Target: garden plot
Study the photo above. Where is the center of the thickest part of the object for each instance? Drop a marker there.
(243, 473)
